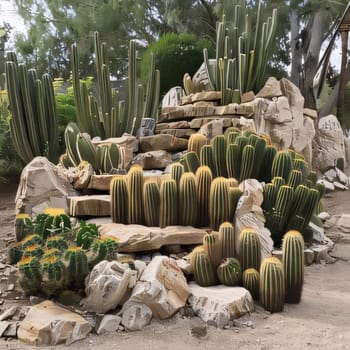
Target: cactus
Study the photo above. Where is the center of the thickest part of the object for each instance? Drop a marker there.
(219, 208)
(282, 165)
(270, 193)
(300, 164)
(229, 272)
(272, 289)
(293, 264)
(57, 242)
(168, 203)
(202, 269)
(247, 163)
(151, 203)
(234, 195)
(102, 249)
(227, 239)
(196, 142)
(259, 150)
(265, 170)
(86, 234)
(33, 250)
(213, 247)
(30, 274)
(15, 253)
(312, 177)
(204, 179)
(53, 275)
(311, 205)
(188, 201)
(76, 264)
(218, 143)
(233, 161)
(192, 161)
(135, 188)
(108, 157)
(87, 151)
(23, 226)
(249, 249)
(70, 138)
(52, 252)
(278, 181)
(119, 200)
(207, 158)
(177, 169)
(295, 178)
(31, 240)
(250, 281)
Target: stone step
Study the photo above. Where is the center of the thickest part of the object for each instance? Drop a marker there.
(90, 205)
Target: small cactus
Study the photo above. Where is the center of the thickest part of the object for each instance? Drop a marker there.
(188, 201)
(203, 179)
(53, 275)
(177, 169)
(227, 239)
(57, 242)
(202, 268)
(30, 274)
(168, 203)
(33, 250)
(23, 226)
(75, 261)
(85, 235)
(251, 282)
(196, 142)
(15, 253)
(213, 247)
(192, 161)
(229, 272)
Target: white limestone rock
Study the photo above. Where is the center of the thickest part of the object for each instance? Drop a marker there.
(153, 160)
(135, 316)
(49, 324)
(106, 286)
(217, 305)
(108, 324)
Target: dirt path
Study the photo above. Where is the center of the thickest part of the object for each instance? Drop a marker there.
(320, 321)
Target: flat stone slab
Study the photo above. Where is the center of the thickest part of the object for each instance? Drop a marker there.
(217, 305)
(90, 205)
(136, 238)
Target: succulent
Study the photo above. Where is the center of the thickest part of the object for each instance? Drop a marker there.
(227, 239)
(207, 158)
(268, 157)
(251, 282)
(202, 268)
(86, 234)
(295, 178)
(229, 272)
(204, 179)
(15, 253)
(30, 274)
(31, 240)
(188, 201)
(102, 249)
(272, 289)
(192, 161)
(108, 157)
(247, 163)
(33, 250)
(233, 160)
(23, 226)
(196, 142)
(168, 203)
(250, 249)
(234, 194)
(177, 169)
(293, 264)
(213, 248)
(53, 275)
(57, 242)
(135, 188)
(119, 200)
(76, 264)
(151, 203)
(282, 164)
(218, 143)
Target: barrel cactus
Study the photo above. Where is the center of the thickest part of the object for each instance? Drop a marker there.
(177, 169)
(33, 250)
(282, 165)
(57, 242)
(227, 239)
(203, 179)
(168, 203)
(249, 249)
(196, 142)
(76, 264)
(119, 200)
(213, 247)
(29, 269)
(202, 269)
(207, 158)
(53, 275)
(188, 201)
(229, 272)
(23, 226)
(250, 282)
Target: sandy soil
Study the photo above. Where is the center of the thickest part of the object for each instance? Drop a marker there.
(320, 321)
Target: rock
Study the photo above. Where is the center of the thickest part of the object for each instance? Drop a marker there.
(324, 216)
(84, 173)
(206, 96)
(344, 223)
(126, 141)
(11, 330)
(310, 113)
(137, 238)
(217, 305)
(136, 316)
(162, 287)
(341, 251)
(309, 256)
(330, 174)
(340, 186)
(199, 122)
(8, 313)
(153, 159)
(329, 144)
(173, 97)
(278, 111)
(184, 265)
(247, 97)
(211, 129)
(271, 89)
(344, 179)
(318, 233)
(108, 324)
(43, 185)
(329, 186)
(320, 253)
(147, 127)
(49, 324)
(250, 214)
(90, 205)
(106, 286)
(282, 135)
(3, 326)
(162, 142)
(180, 133)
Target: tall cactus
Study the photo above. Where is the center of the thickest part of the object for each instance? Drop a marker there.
(192, 161)
(272, 289)
(248, 162)
(196, 142)
(207, 158)
(227, 239)
(168, 213)
(119, 200)
(177, 169)
(213, 247)
(249, 249)
(135, 188)
(188, 201)
(293, 264)
(33, 125)
(202, 269)
(282, 165)
(218, 143)
(204, 179)
(151, 203)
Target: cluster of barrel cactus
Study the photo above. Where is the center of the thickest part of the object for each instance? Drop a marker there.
(271, 281)
(235, 154)
(185, 198)
(104, 158)
(292, 196)
(47, 263)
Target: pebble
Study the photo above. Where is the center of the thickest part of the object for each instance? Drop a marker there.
(10, 287)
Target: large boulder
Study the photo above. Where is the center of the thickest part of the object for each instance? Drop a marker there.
(43, 185)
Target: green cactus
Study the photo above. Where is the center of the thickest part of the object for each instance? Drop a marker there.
(151, 203)
(52, 252)
(295, 178)
(293, 264)
(234, 195)
(192, 161)
(270, 194)
(87, 151)
(53, 275)
(76, 264)
(108, 157)
(259, 144)
(29, 269)
(229, 272)
(312, 177)
(300, 164)
(57, 242)
(265, 170)
(249, 249)
(86, 234)
(31, 240)
(202, 269)
(218, 143)
(119, 200)
(23, 226)
(310, 207)
(282, 165)
(177, 169)
(33, 250)
(278, 181)
(70, 138)
(272, 289)
(204, 179)
(233, 161)
(135, 188)
(207, 158)
(196, 142)
(284, 200)
(231, 133)
(250, 281)
(213, 248)
(188, 200)
(247, 163)
(219, 208)
(102, 249)
(15, 253)
(227, 239)
(168, 203)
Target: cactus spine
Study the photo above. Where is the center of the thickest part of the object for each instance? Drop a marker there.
(251, 282)
(151, 203)
(168, 203)
(229, 272)
(249, 249)
(119, 200)
(188, 201)
(202, 269)
(272, 290)
(135, 187)
(227, 239)
(76, 264)
(293, 264)
(204, 179)
(53, 272)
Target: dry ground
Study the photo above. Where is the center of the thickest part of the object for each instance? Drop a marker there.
(320, 321)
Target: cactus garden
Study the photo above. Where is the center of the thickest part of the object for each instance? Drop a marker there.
(207, 201)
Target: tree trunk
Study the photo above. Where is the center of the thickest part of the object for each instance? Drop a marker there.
(295, 47)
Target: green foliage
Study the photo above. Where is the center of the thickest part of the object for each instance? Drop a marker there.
(176, 54)
(86, 234)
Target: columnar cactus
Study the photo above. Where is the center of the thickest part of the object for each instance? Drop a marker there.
(151, 203)
(295, 178)
(23, 226)
(265, 170)
(272, 289)
(218, 143)
(249, 249)
(168, 203)
(202, 268)
(259, 144)
(219, 207)
(192, 161)
(135, 187)
(188, 201)
(207, 158)
(229, 272)
(119, 200)
(196, 142)
(204, 179)
(227, 239)
(213, 247)
(233, 160)
(282, 165)
(250, 281)
(293, 264)
(234, 195)
(247, 164)
(177, 169)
